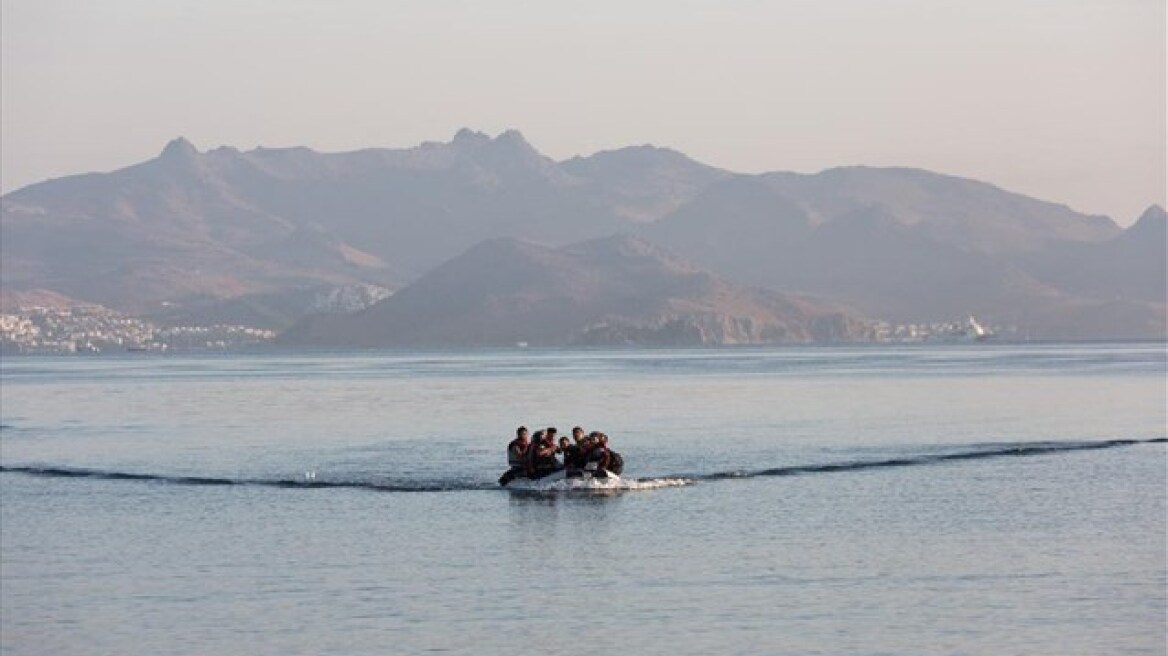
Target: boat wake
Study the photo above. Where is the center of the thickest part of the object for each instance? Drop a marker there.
(982, 452)
(316, 481)
(313, 481)
(307, 481)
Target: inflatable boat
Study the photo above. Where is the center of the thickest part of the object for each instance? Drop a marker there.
(560, 479)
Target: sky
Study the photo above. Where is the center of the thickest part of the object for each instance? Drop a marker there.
(1063, 100)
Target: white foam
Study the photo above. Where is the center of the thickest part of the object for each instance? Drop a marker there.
(611, 484)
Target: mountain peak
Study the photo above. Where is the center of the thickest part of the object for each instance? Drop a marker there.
(178, 148)
(509, 141)
(511, 136)
(1153, 213)
(1150, 225)
(513, 140)
(469, 136)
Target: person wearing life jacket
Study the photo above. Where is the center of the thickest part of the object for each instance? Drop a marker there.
(612, 461)
(590, 453)
(543, 460)
(517, 448)
(598, 455)
(577, 453)
(573, 458)
(516, 456)
(529, 455)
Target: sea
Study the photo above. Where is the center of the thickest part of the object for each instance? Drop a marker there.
(918, 499)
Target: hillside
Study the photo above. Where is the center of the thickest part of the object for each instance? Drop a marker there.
(911, 246)
(616, 290)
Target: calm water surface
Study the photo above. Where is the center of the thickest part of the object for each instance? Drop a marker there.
(936, 500)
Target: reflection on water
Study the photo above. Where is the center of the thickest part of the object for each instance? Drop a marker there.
(599, 497)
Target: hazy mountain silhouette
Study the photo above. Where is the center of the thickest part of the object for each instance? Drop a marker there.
(1129, 266)
(254, 234)
(642, 183)
(1115, 288)
(615, 290)
(179, 226)
(909, 245)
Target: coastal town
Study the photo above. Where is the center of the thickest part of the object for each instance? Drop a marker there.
(95, 329)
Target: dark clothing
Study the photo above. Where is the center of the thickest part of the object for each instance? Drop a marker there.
(529, 459)
(510, 475)
(616, 464)
(516, 452)
(574, 458)
(607, 459)
(543, 461)
(516, 460)
(597, 453)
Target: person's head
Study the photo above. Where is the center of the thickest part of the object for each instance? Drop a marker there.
(564, 442)
(538, 436)
(521, 432)
(551, 430)
(577, 433)
(603, 438)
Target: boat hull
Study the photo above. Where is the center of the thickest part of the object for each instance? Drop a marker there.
(560, 481)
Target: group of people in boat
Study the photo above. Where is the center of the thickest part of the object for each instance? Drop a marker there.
(535, 456)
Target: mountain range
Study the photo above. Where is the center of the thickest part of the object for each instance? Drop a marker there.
(255, 236)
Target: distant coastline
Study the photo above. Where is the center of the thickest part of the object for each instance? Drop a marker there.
(91, 330)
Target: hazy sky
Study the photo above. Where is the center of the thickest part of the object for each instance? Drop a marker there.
(1059, 99)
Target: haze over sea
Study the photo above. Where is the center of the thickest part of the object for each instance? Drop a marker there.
(935, 499)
